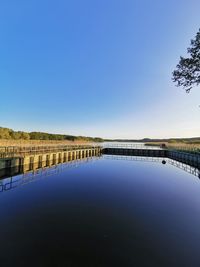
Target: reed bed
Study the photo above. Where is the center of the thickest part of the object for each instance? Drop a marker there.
(25, 143)
(192, 148)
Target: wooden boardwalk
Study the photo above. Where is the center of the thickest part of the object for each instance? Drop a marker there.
(40, 156)
(22, 151)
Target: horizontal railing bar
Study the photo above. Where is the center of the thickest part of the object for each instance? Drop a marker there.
(13, 151)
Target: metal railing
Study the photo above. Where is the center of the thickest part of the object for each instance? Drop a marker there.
(187, 149)
(130, 146)
(15, 151)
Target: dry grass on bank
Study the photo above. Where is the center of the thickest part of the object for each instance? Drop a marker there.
(39, 142)
(183, 146)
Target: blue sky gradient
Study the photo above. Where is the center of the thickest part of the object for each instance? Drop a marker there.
(97, 68)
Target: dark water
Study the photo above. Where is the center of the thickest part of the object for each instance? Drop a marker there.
(105, 212)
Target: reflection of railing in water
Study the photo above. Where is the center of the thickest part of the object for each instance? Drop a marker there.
(32, 176)
(191, 159)
(184, 167)
(180, 165)
(133, 158)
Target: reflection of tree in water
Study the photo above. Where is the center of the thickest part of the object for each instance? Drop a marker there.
(32, 176)
(180, 165)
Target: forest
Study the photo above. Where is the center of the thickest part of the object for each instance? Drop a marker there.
(9, 134)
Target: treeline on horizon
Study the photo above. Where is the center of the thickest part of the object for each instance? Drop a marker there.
(9, 134)
(192, 140)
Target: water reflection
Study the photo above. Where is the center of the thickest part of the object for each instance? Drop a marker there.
(15, 177)
(108, 213)
(180, 165)
(15, 180)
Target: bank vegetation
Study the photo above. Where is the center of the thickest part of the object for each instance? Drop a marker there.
(9, 137)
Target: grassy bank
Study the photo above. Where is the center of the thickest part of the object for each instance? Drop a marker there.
(4, 142)
(181, 146)
(11, 137)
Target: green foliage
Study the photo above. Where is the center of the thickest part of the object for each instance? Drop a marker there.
(6, 133)
(15, 135)
(172, 141)
(24, 135)
(187, 73)
(47, 136)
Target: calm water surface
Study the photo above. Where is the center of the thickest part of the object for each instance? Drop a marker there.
(105, 212)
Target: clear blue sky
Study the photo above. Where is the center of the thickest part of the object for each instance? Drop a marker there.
(97, 67)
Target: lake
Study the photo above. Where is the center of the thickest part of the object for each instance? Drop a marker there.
(104, 211)
(135, 145)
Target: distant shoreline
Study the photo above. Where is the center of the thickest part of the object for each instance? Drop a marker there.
(192, 140)
(9, 136)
